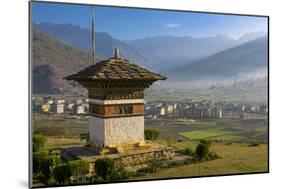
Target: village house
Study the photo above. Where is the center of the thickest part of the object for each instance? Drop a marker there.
(255, 108)
(79, 109)
(57, 107)
(36, 105)
(45, 107)
(162, 111)
(69, 106)
(202, 112)
(205, 112)
(263, 108)
(216, 113)
(169, 109)
(192, 113)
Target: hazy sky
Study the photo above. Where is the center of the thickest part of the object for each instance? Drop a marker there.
(125, 23)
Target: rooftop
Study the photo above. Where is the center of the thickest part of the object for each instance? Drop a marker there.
(115, 68)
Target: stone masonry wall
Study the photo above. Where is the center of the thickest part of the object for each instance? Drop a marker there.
(131, 160)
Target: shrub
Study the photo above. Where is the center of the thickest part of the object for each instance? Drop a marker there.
(81, 180)
(143, 171)
(151, 134)
(188, 151)
(46, 165)
(62, 174)
(37, 158)
(121, 174)
(87, 179)
(190, 161)
(38, 142)
(79, 167)
(42, 165)
(254, 144)
(152, 167)
(212, 156)
(202, 150)
(170, 141)
(176, 164)
(104, 168)
(206, 142)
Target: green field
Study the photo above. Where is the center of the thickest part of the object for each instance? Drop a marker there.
(235, 158)
(53, 142)
(223, 129)
(210, 134)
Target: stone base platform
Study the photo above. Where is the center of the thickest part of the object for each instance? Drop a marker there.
(129, 158)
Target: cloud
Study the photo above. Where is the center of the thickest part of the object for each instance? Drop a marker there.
(173, 25)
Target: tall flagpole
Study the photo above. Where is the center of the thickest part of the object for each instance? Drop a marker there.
(93, 37)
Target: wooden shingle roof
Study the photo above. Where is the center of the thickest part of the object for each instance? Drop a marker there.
(115, 68)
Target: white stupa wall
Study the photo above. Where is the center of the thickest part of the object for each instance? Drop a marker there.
(116, 131)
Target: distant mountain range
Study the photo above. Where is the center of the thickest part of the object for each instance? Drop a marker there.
(248, 59)
(159, 53)
(81, 38)
(168, 52)
(62, 49)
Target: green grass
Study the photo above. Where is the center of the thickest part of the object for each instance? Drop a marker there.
(235, 158)
(53, 142)
(207, 122)
(255, 116)
(209, 134)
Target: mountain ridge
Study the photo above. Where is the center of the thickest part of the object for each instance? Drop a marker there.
(244, 59)
(81, 38)
(52, 60)
(159, 53)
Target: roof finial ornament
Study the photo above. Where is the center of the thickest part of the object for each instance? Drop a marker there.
(117, 53)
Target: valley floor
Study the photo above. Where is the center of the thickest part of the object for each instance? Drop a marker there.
(237, 156)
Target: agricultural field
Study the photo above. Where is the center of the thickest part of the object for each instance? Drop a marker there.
(59, 125)
(213, 129)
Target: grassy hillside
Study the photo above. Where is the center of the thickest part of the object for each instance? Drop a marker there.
(235, 158)
(52, 60)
